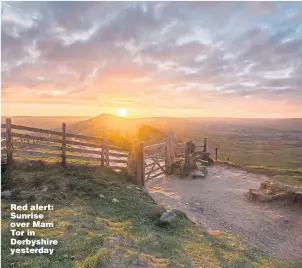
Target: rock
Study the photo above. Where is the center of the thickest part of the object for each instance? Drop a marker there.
(6, 194)
(114, 200)
(44, 189)
(101, 196)
(145, 190)
(259, 195)
(167, 216)
(269, 192)
(129, 187)
(297, 198)
(199, 173)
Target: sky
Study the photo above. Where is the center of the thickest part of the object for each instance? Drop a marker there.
(182, 59)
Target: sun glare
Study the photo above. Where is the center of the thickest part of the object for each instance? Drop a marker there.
(122, 112)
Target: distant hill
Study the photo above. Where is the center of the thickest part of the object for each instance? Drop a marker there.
(150, 134)
(101, 124)
(118, 129)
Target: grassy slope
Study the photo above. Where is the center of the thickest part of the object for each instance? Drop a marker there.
(95, 232)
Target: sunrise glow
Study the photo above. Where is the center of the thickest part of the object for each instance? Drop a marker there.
(122, 112)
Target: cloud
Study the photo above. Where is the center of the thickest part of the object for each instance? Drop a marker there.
(173, 54)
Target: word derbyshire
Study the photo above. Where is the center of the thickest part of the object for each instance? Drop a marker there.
(32, 243)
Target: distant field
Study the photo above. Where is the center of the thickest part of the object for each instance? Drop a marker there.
(278, 150)
(275, 146)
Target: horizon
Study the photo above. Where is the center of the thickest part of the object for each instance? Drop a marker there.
(152, 59)
(127, 117)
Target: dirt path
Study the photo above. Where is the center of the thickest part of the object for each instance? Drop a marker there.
(218, 202)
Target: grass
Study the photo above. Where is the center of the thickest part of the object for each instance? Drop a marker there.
(95, 232)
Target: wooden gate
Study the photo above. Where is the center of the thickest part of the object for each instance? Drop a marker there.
(155, 160)
(158, 158)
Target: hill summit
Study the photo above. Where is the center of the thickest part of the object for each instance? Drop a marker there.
(118, 129)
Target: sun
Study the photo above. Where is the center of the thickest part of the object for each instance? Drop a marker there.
(122, 112)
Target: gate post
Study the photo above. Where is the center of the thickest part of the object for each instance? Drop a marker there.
(169, 152)
(140, 164)
(132, 160)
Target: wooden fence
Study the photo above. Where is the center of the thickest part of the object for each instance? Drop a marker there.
(23, 142)
(28, 143)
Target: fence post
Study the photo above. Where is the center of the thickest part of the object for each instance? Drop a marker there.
(173, 146)
(9, 147)
(216, 154)
(140, 167)
(167, 155)
(142, 164)
(205, 145)
(106, 152)
(132, 160)
(103, 153)
(205, 148)
(63, 144)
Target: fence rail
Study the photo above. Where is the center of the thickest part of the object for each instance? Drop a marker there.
(77, 136)
(36, 138)
(153, 146)
(23, 143)
(33, 129)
